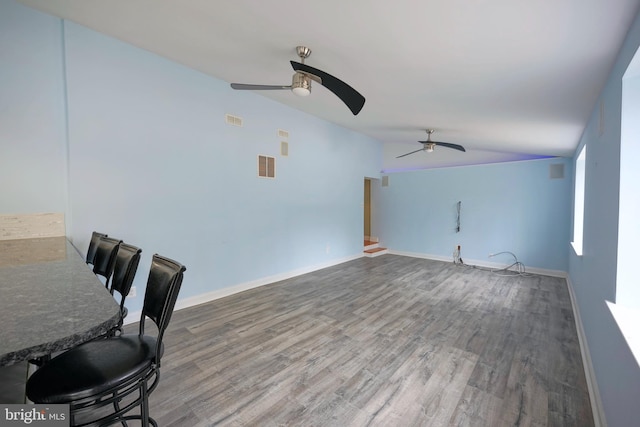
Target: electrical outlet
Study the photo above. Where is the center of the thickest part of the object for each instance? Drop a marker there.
(132, 292)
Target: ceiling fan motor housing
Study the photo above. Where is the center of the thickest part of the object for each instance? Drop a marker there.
(301, 84)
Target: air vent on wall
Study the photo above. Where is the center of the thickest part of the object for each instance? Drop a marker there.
(284, 148)
(266, 167)
(385, 181)
(283, 134)
(233, 120)
(556, 171)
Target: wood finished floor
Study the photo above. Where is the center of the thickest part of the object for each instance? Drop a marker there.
(386, 341)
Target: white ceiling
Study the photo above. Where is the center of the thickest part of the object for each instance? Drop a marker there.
(507, 79)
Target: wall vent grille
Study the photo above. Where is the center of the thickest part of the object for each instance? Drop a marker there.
(233, 120)
(385, 181)
(283, 134)
(284, 148)
(266, 166)
(556, 171)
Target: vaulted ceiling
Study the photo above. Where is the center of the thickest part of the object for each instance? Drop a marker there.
(507, 79)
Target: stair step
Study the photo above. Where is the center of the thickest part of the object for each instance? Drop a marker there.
(375, 252)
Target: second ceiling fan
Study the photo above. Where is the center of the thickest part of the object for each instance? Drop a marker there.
(429, 145)
(301, 83)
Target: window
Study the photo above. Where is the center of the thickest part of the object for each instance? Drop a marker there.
(578, 205)
(627, 285)
(626, 309)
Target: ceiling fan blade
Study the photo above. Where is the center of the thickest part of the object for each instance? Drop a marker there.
(346, 93)
(242, 86)
(422, 149)
(449, 145)
(446, 144)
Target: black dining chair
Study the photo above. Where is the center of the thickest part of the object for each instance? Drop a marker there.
(114, 372)
(124, 271)
(93, 246)
(105, 258)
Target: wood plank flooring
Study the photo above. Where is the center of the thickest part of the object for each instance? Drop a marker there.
(386, 341)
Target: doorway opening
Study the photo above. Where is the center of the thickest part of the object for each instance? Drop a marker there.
(371, 238)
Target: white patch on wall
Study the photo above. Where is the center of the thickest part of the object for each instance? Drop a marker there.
(266, 166)
(556, 171)
(233, 120)
(385, 181)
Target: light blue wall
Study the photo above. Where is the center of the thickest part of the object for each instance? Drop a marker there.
(32, 130)
(594, 274)
(505, 207)
(152, 161)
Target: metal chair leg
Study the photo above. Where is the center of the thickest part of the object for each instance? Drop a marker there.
(144, 405)
(116, 406)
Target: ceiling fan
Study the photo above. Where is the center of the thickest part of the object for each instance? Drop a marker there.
(301, 83)
(429, 145)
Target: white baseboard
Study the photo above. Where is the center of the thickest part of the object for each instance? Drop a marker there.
(230, 290)
(599, 418)
(480, 263)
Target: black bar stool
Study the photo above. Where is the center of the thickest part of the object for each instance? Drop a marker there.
(112, 371)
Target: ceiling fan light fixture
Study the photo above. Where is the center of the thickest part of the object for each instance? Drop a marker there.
(301, 91)
(301, 84)
(429, 148)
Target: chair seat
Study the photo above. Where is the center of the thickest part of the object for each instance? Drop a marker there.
(92, 368)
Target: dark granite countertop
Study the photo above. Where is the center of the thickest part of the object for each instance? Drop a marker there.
(50, 300)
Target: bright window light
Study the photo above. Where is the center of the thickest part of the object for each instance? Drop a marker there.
(626, 310)
(627, 284)
(578, 205)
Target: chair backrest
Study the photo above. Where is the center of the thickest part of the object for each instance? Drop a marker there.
(124, 271)
(105, 258)
(93, 246)
(163, 285)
